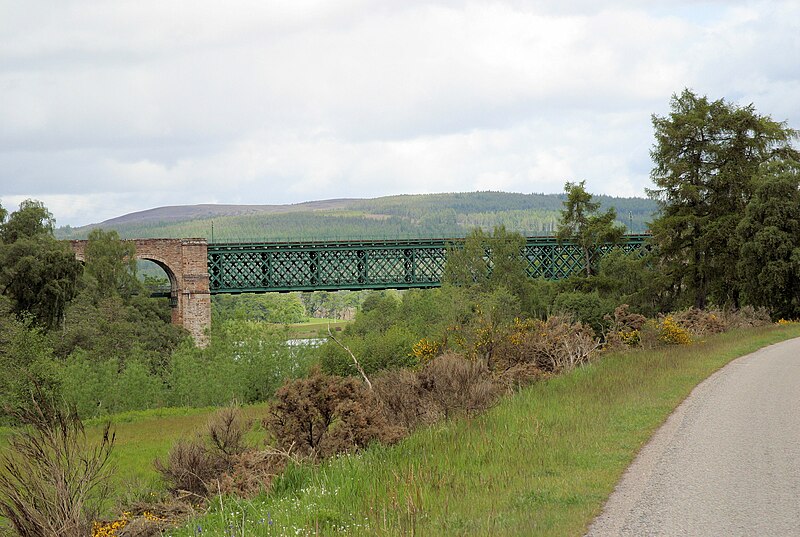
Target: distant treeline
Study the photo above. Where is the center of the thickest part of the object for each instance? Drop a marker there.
(410, 216)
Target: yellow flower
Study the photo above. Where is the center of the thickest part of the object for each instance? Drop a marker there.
(425, 349)
(672, 333)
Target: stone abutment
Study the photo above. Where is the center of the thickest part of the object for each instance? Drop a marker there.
(185, 261)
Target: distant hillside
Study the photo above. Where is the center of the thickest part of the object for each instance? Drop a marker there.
(408, 216)
(183, 213)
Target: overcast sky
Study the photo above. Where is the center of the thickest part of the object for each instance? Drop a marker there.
(112, 107)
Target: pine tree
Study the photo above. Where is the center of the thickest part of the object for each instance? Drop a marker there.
(706, 156)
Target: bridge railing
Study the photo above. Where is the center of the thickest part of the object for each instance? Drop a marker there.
(385, 264)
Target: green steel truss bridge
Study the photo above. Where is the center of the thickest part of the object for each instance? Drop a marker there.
(379, 264)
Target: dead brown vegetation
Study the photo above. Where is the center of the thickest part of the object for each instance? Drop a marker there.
(52, 478)
(322, 415)
(219, 461)
(624, 327)
(551, 346)
(714, 320)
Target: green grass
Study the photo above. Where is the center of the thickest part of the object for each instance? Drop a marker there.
(314, 328)
(141, 437)
(540, 463)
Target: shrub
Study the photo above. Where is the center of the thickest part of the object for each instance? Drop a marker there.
(403, 400)
(588, 308)
(189, 467)
(198, 466)
(226, 431)
(376, 351)
(51, 475)
(672, 333)
(457, 385)
(553, 345)
(700, 322)
(251, 472)
(323, 415)
(425, 349)
(624, 327)
(747, 317)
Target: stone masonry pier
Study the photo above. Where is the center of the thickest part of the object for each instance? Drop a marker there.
(185, 261)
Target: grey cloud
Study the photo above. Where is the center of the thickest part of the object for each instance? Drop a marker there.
(112, 107)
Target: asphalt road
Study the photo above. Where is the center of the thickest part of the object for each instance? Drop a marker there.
(726, 463)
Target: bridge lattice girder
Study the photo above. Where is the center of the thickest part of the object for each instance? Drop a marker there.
(386, 264)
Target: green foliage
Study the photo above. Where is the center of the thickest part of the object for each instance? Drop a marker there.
(769, 235)
(588, 308)
(110, 265)
(633, 279)
(336, 305)
(509, 269)
(385, 330)
(375, 351)
(581, 223)
(32, 219)
(37, 272)
(138, 328)
(488, 262)
(90, 385)
(245, 362)
(26, 361)
(468, 265)
(706, 157)
(266, 307)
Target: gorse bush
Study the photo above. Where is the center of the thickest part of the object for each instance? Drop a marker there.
(456, 385)
(323, 415)
(624, 327)
(402, 399)
(671, 333)
(553, 345)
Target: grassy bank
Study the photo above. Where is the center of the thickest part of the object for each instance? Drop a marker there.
(540, 463)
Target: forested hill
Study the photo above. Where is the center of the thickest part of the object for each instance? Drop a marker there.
(406, 216)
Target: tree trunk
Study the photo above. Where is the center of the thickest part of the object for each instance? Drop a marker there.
(587, 258)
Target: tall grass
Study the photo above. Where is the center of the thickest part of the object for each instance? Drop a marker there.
(540, 463)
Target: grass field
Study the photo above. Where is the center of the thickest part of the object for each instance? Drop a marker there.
(540, 463)
(315, 328)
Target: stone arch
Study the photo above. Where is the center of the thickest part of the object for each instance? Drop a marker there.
(185, 262)
(174, 288)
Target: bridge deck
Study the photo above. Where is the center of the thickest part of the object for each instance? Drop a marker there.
(376, 264)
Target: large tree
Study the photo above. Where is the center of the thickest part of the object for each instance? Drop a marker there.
(706, 156)
(769, 260)
(582, 223)
(37, 272)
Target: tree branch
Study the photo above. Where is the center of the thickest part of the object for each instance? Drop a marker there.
(355, 361)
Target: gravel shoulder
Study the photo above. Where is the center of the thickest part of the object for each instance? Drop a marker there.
(726, 462)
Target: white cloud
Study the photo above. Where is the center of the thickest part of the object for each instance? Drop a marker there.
(111, 107)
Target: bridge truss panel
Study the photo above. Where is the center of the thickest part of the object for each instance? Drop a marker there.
(354, 265)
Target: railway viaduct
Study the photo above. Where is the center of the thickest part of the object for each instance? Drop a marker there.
(196, 269)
